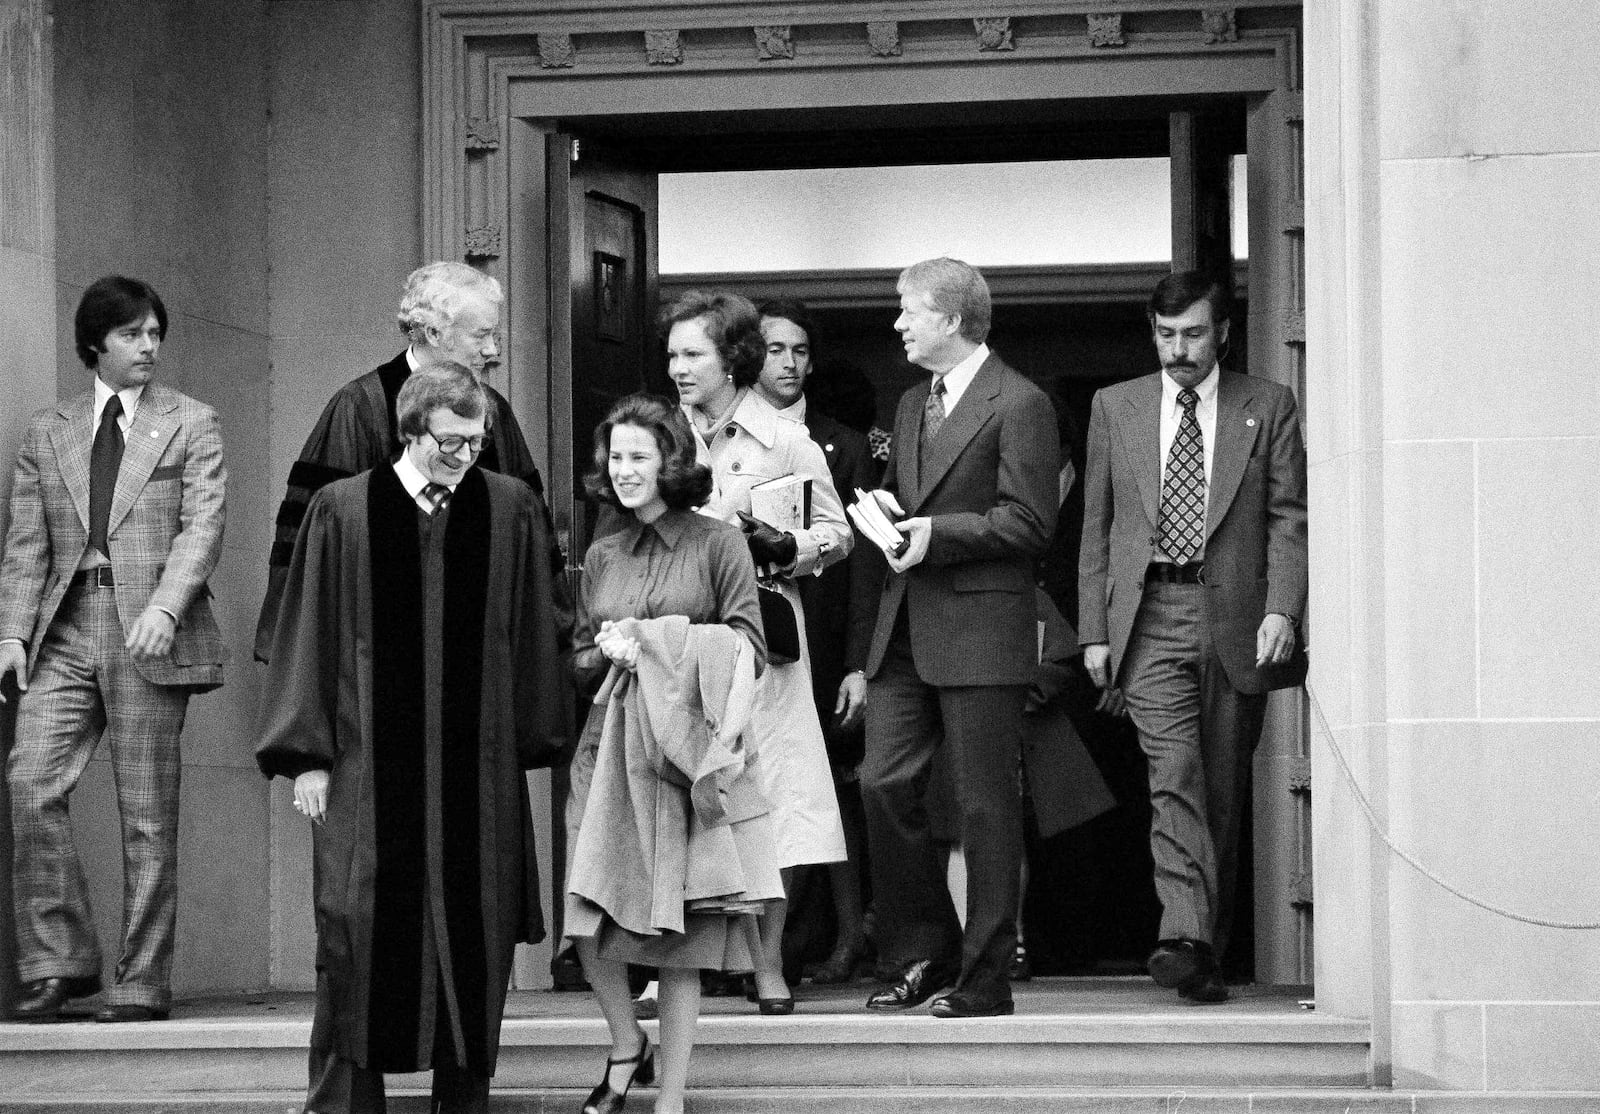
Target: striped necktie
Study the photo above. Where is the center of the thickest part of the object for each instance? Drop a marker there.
(438, 495)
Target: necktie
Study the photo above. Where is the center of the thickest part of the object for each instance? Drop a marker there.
(105, 459)
(933, 411)
(1183, 491)
(437, 494)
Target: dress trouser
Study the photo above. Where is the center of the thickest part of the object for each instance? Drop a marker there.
(1199, 734)
(85, 683)
(981, 728)
(341, 1086)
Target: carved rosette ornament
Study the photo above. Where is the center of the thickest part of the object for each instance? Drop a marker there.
(1218, 25)
(556, 50)
(1106, 30)
(884, 37)
(482, 133)
(994, 34)
(663, 48)
(483, 242)
(774, 42)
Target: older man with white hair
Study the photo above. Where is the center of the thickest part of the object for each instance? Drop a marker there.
(450, 313)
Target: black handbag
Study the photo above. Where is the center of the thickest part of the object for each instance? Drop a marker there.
(778, 623)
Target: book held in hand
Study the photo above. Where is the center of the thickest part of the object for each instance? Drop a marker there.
(868, 515)
(784, 503)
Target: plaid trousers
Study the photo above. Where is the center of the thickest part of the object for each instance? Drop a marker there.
(85, 684)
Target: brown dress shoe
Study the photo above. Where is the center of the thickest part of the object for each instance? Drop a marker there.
(921, 981)
(963, 1003)
(42, 999)
(128, 1012)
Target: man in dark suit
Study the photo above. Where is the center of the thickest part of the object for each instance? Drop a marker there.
(1192, 581)
(449, 313)
(106, 623)
(973, 465)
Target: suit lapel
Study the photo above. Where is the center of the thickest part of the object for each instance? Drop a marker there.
(907, 443)
(154, 423)
(1237, 426)
(972, 412)
(73, 440)
(1142, 442)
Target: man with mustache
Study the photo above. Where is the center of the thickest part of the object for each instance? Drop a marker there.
(1192, 583)
(450, 312)
(106, 624)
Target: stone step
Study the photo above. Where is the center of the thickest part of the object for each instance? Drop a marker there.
(1074, 1038)
(875, 1100)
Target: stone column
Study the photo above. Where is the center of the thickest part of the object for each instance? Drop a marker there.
(28, 308)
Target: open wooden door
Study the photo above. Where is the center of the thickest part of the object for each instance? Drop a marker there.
(602, 257)
(603, 290)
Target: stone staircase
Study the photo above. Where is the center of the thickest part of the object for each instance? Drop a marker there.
(1075, 1045)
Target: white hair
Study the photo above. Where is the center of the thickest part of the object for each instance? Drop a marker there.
(434, 293)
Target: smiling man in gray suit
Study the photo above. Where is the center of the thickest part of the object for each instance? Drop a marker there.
(106, 624)
(973, 466)
(1192, 581)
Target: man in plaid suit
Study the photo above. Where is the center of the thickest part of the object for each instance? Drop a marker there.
(106, 625)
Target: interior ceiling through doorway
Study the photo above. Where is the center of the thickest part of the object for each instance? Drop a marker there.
(895, 135)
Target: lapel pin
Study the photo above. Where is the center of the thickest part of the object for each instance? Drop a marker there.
(1250, 422)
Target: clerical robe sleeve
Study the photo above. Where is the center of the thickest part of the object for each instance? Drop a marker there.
(543, 641)
(299, 714)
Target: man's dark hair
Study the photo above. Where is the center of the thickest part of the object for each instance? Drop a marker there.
(442, 386)
(110, 303)
(731, 323)
(794, 311)
(681, 482)
(1174, 294)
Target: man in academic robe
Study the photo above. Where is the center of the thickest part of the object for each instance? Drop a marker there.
(417, 670)
(449, 312)
(1192, 583)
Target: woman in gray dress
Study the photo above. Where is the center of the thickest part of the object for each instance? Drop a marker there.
(665, 561)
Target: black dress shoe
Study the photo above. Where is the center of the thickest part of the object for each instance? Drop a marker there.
(42, 999)
(1180, 962)
(964, 1003)
(1207, 991)
(775, 1007)
(605, 1100)
(921, 981)
(111, 1015)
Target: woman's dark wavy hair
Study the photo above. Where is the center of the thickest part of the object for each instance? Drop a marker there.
(682, 482)
(110, 303)
(732, 323)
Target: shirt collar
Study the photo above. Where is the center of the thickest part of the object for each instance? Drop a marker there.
(410, 478)
(795, 411)
(1206, 389)
(958, 378)
(669, 526)
(751, 413)
(411, 358)
(130, 397)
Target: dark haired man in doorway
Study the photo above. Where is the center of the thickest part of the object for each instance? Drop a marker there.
(973, 466)
(106, 623)
(1192, 581)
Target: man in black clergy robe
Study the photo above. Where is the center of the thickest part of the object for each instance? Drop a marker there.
(417, 670)
(448, 312)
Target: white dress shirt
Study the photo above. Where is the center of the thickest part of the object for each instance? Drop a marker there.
(1205, 412)
(130, 397)
(414, 481)
(958, 378)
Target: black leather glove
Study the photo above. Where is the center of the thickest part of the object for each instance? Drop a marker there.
(767, 545)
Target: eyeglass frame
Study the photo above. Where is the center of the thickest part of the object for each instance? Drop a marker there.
(460, 443)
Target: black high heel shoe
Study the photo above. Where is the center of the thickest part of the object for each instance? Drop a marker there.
(603, 1100)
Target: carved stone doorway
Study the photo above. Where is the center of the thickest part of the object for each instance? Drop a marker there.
(682, 83)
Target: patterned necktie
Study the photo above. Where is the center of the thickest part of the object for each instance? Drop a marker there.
(438, 495)
(1183, 491)
(933, 412)
(105, 459)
